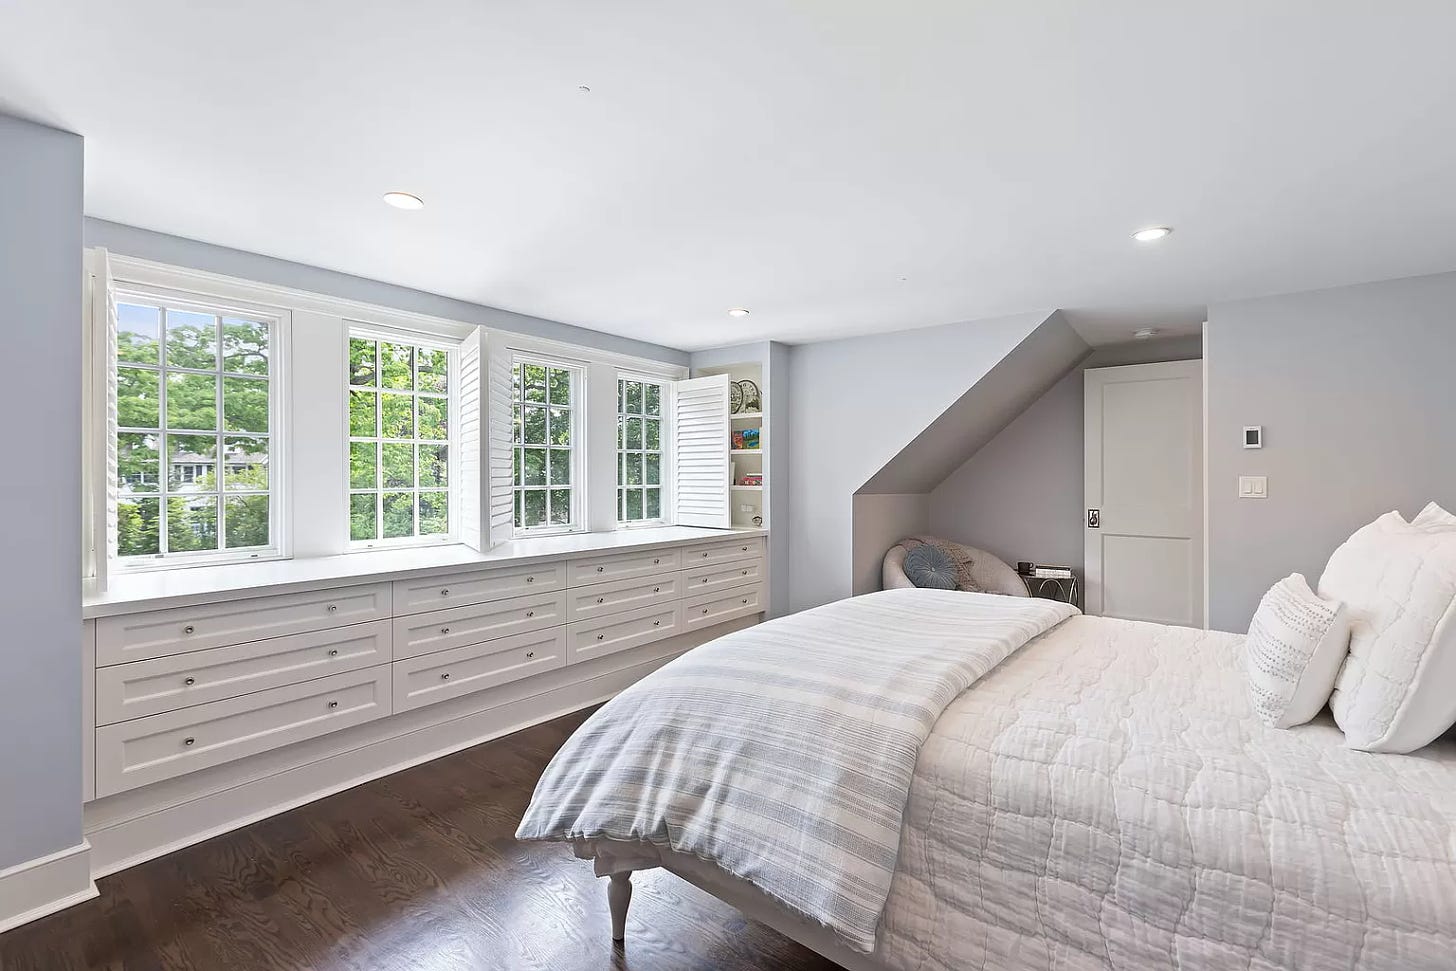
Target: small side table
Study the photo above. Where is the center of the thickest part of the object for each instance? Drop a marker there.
(1065, 589)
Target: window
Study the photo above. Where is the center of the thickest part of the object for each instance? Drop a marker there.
(543, 433)
(639, 451)
(400, 426)
(195, 409)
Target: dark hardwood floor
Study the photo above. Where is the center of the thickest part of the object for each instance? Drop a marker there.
(417, 871)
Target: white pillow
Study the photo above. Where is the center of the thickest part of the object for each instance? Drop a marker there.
(1398, 583)
(1434, 516)
(1296, 644)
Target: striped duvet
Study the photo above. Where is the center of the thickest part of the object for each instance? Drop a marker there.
(784, 753)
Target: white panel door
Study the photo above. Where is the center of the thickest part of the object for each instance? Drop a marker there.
(700, 440)
(1144, 492)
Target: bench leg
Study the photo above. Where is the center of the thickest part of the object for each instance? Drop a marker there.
(619, 896)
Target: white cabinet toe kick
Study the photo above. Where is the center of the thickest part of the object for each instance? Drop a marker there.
(203, 718)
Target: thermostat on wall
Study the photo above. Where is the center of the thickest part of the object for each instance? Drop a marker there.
(1253, 436)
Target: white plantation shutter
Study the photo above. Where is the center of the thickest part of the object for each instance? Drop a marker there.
(500, 478)
(474, 455)
(700, 438)
(103, 459)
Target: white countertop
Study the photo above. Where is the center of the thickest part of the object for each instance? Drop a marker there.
(156, 589)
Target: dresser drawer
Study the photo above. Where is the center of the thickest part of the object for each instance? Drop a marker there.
(141, 688)
(146, 750)
(157, 633)
(722, 551)
(619, 566)
(479, 586)
(607, 635)
(441, 630)
(705, 579)
(600, 599)
(714, 608)
(430, 678)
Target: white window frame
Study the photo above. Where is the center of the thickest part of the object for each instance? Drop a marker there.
(580, 402)
(663, 450)
(213, 302)
(399, 335)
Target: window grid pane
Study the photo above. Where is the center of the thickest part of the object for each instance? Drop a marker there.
(639, 451)
(399, 440)
(185, 377)
(543, 426)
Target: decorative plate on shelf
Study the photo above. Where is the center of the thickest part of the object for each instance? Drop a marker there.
(735, 397)
(752, 399)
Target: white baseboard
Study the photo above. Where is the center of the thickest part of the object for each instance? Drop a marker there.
(139, 825)
(36, 888)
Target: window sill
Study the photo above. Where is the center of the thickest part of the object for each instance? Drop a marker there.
(160, 589)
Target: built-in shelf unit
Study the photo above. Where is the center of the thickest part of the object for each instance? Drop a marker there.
(749, 500)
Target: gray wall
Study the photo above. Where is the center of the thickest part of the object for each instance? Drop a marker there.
(1020, 496)
(1355, 391)
(40, 591)
(854, 404)
(177, 251)
(881, 521)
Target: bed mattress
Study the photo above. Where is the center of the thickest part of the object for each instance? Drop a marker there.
(1106, 798)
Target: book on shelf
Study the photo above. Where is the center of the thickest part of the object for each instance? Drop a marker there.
(745, 438)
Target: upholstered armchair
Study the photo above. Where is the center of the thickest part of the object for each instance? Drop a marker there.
(989, 572)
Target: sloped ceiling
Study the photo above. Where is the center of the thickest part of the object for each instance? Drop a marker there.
(986, 407)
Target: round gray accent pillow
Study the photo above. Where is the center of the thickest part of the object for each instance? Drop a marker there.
(926, 566)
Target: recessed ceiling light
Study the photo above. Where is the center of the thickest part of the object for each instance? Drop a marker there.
(403, 200)
(738, 312)
(1151, 233)
(1144, 333)
(584, 88)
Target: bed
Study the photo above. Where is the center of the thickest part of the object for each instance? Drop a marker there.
(1099, 797)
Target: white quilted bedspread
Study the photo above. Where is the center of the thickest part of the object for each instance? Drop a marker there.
(1105, 798)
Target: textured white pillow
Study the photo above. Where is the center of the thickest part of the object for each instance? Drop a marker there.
(1296, 644)
(1434, 516)
(1398, 583)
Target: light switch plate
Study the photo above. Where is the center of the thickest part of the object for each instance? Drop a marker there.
(1253, 487)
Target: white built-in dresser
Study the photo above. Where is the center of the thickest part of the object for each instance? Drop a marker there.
(206, 710)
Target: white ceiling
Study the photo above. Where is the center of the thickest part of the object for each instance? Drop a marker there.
(837, 166)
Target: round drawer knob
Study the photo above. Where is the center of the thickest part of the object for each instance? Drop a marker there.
(445, 676)
(705, 580)
(745, 573)
(601, 637)
(445, 592)
(530, 654)
(530, 613)
(190, 682)
(334, 652)
(333, 704)
(189, 741)
(657, 623)
(705, 555)
(745, 600)
(705, 610)
(656, 589)
(601, 569)
(444, 630)
(530, 579)
(601, 600)
(745, 549)
(333, 608)
(188, 629)
(656, 560)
